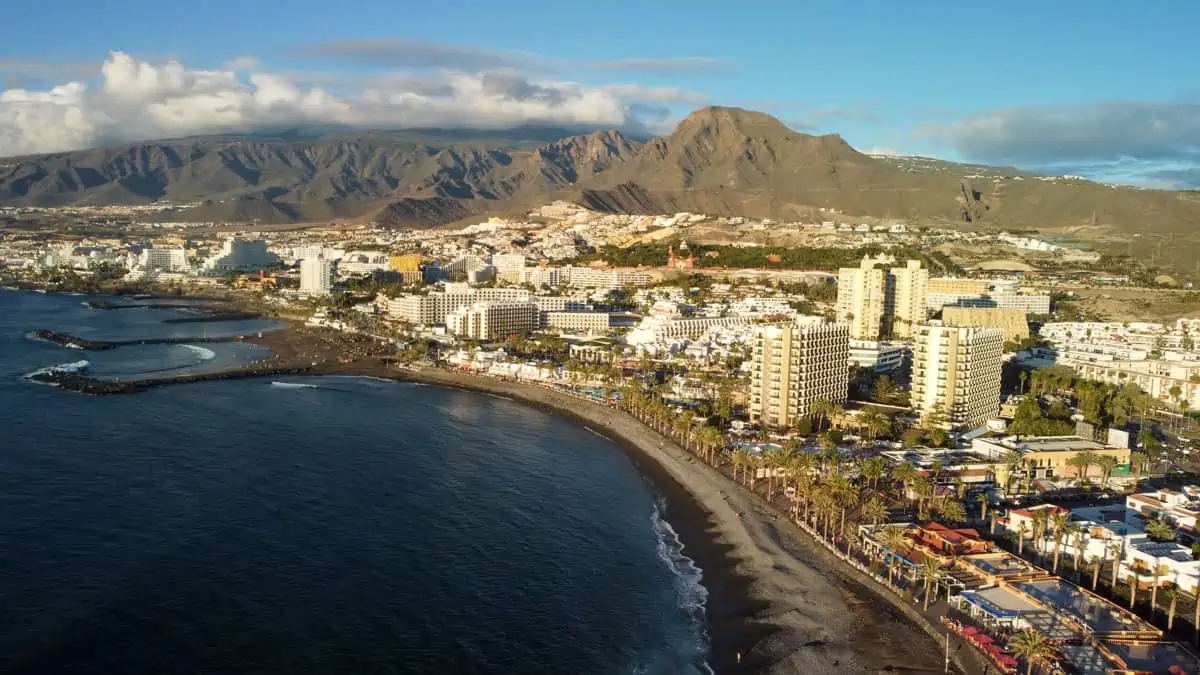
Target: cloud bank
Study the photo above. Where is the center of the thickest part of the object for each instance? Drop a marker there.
(1152, 142)
(136, 100)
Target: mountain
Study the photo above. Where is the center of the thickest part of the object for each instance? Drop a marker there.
(723, 161)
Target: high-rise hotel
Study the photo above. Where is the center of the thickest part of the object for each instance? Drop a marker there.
(875, 302)
(956, 374)
(796, 364)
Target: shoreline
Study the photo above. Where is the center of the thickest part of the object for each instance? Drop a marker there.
(778, 602)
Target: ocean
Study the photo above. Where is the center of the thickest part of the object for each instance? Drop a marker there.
(314, 525)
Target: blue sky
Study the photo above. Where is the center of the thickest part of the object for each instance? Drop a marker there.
(1104, 88)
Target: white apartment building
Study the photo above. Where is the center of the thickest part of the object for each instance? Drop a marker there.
(587, 277)
(795, 364)
(1181, 509)
(561, 303)
(239, 255)
(592, 323)
(164, 260)
(542, 276)
(882, 357)
(363, 262)
(904, 305)
(508, 263)
(431, 309)
(956, 373)
(466, 263)
(493, 320)
(862, 296)
(655, 329)
(316, 276)
(1156, 377)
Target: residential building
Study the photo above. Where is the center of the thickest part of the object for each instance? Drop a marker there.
(1033, 304)
(1043, 457)
(862, 293)
(904, 300)
(1180, 509)
(409, 262)
(164, 260)
(1172, 382)
(461, 266)
(1012, 321)
(657, 329)
(239, 255)
(507, 263)
(882, 357)
(794, 365)
(431, 309)
(945, 466)
(956, 374)
(956, 286)
(588, 277)
(493, 320)
(594, 323)
(316, 276)
(363, 262)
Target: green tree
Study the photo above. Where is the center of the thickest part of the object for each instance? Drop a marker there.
(1159, 530)
(1031, 646)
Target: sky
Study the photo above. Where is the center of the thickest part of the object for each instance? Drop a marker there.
(1107, 89)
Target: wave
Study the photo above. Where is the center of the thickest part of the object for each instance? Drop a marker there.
(201, 353)
(10, 288)
(75, 367)
(591, 430)
(495, 396)
(293, 385)
(72, 345)
(692, 595)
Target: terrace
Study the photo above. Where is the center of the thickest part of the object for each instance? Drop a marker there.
(1157, 658)
(1001, 566)
(1094, 615)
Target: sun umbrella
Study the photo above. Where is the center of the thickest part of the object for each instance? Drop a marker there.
(970, 630)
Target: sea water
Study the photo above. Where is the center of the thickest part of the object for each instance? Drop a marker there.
(316, 525)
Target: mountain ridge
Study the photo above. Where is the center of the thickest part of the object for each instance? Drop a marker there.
(717, 160)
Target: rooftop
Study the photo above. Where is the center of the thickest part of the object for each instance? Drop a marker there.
(1002, 564)
(1154, 657)
(1101, 616)
(1046, 443)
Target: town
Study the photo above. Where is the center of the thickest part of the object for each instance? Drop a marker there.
(964, 429)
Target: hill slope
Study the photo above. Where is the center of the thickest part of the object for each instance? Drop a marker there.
(718, 160)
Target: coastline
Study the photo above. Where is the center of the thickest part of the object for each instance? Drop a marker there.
(778, 603)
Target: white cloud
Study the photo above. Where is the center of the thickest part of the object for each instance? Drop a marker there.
(138, 100)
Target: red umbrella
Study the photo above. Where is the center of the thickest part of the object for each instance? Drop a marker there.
(983, 639)
(970, 630)
(1007, 661)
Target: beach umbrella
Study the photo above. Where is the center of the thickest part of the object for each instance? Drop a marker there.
(984, 639)
(970, 630)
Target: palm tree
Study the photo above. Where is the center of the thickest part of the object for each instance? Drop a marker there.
(821, 409)
(1031, 646)
(930, 569)
(873, 469)
(1059, 523)
(875, 511)
(1159, 530)
(1039, 526)
(1106, 463)
(1133, 584)
(1115, 549)
(893, 538)
(1171, 594)
(1096, 562)
(1158, 572)
(951, 511)
(983, 504)
(1021, 531)
(1075, 529)
(741, 461)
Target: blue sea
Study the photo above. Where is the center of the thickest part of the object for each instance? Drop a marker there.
(314, 525)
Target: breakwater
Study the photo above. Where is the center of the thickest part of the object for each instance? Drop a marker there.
(68, 340)
(80, 381)
(216, 316)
